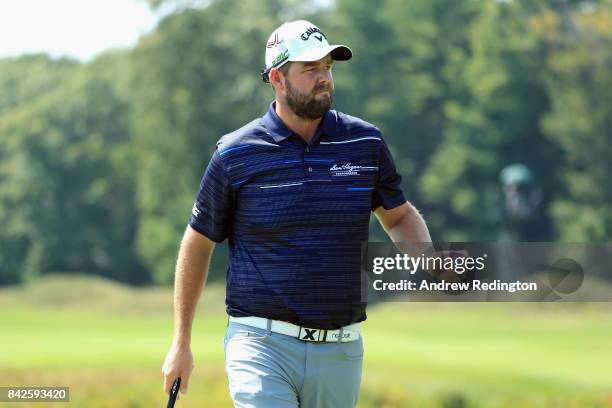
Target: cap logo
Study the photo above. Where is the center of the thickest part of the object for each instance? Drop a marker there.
(274, 42)
(311, 31)
(280, 58)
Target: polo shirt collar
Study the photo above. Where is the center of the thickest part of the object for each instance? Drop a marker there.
(279, 131)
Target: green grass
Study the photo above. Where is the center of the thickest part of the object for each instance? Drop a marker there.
(107, 343)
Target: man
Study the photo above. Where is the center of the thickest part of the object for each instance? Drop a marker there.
(293, 192)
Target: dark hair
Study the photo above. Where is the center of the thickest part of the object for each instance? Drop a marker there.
(284, 69)
(265, 74)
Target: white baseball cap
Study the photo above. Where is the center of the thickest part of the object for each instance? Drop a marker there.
(300, 41)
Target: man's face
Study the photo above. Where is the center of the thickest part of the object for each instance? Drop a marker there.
(309, 88)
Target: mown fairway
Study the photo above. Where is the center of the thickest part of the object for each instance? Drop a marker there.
(107, 343)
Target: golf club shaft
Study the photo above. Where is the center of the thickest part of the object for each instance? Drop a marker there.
(174, 392)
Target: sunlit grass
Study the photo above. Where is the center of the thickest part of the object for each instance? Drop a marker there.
(107, 343)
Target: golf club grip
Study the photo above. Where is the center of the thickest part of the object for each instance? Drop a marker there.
(176, 385)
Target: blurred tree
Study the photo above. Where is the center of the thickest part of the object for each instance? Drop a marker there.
(24, 79)
(62, 205)
(408, 60)
(498, 123)
(578, 42)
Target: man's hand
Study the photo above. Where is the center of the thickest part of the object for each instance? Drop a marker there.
(448, 275)
(178, 363)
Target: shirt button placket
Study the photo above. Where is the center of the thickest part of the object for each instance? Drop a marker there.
(309, 168)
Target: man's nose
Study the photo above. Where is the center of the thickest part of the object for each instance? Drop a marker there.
(324, 77)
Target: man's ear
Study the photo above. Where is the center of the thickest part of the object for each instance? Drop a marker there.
(276, 79)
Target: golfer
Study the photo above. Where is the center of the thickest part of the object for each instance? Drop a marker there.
(292, 192)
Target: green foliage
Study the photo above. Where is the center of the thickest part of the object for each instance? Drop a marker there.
(497, 123)
(64, 203)
(24, 79)
(579, 61)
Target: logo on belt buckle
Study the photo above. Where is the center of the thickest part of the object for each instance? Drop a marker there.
(310, 334)
(345, 335)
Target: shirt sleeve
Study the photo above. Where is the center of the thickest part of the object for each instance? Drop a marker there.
(388, 191)
(212, 211)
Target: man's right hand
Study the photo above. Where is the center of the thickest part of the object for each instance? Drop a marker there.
(178, 363)
(448, 275)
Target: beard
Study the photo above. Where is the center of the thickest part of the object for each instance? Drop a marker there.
(306, 105)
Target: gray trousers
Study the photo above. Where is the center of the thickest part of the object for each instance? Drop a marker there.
(271, 370)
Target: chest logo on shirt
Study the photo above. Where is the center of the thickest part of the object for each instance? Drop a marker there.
(349, 169)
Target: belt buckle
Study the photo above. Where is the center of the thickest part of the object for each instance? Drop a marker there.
(316, 335)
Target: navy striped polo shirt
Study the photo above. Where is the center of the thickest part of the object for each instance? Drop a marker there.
(296, 215)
